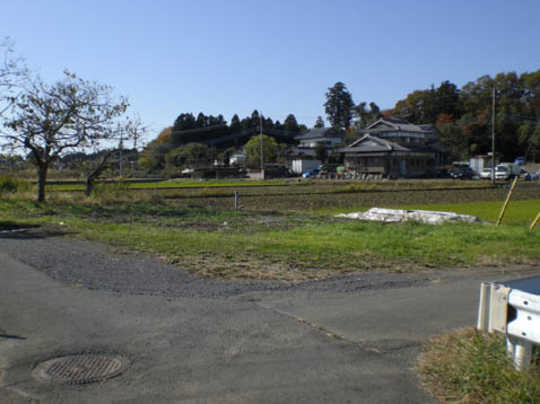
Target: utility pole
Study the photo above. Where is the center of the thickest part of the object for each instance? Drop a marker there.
(121, 146)
(493, 137)
(261, 144)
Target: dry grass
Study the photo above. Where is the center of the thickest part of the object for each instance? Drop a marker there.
(467, 366)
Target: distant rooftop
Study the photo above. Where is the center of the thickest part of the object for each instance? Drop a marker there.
(320, 132)
(398, 125)
(368, 143)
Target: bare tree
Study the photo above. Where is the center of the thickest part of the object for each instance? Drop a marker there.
(69, 115)
(132, 129)
(13, 73)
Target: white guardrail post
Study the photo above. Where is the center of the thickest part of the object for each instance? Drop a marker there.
(512, 308)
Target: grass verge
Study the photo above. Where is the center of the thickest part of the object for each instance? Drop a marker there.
(467, 366)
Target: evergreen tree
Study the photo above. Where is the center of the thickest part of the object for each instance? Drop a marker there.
(319, 123)
(235, 124)
(374, 111)
(202, 121)
(184, 122)
(290, 124)
(338, 106)
(255, 120)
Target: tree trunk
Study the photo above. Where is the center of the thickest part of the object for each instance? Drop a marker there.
(93, 175)
(42, 178)
(89, 185)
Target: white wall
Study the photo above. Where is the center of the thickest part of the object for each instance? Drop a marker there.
(300, 166)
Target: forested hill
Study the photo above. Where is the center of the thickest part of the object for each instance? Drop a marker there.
(463, 116)
(215, 132)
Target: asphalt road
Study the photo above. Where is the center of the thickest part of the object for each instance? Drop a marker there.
(348, 340)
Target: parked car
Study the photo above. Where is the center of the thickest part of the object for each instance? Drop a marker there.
(506, 171)
(525, 175)
(502, 173)
(437, 173)
(311, 173)
(485, 174)
(463, 173)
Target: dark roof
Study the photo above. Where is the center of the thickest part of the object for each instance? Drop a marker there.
(320, 132)
(399, 125)
(301, 152)
(382, 145)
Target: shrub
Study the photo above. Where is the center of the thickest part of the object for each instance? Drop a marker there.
(111, 191)
(10, 184)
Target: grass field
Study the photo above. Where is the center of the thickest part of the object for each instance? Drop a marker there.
(471, 367)
(291, 235)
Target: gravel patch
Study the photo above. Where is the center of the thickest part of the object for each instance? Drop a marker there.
(99, 267)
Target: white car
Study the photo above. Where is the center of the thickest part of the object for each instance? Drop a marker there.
(502, 173)
(485, 174)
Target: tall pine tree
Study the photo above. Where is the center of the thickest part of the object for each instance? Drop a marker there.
(338, 106)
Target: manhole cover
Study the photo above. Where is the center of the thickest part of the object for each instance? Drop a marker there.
(81, 369)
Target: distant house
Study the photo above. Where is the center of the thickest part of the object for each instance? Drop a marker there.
(237, 159)
(327, 136)
(394, 148)
(303, 157)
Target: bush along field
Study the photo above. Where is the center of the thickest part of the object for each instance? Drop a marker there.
(274, 238)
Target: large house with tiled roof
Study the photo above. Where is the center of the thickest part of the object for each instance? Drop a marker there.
(393, 147)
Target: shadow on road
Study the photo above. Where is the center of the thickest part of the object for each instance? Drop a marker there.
(7, 336)
(20, 232)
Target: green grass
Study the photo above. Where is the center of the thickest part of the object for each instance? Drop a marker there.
(329, 185)
(471, 367)
(281, 245)
(518, 212)
(180, 184)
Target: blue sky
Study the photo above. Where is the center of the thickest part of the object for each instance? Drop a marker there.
(277, 56)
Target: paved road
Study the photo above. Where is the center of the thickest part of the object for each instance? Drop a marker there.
(296, 345)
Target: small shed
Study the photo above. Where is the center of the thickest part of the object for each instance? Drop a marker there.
(478, 163)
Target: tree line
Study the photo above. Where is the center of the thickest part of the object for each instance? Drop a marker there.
(463, 115)
(199, 140)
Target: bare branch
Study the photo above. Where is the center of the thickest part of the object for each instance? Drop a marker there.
(69, 115)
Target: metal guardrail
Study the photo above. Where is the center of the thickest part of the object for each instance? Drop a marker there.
(512, 308)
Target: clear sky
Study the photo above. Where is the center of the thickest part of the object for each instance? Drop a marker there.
(276, 56)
